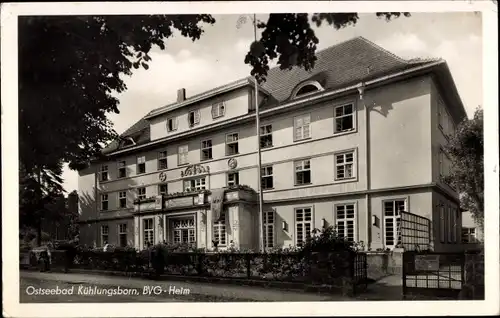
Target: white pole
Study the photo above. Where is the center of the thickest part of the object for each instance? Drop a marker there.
(259, 166)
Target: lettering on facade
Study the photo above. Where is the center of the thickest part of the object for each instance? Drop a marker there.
(232, 163)
(152, 205)
(162, 176)
(194, 170)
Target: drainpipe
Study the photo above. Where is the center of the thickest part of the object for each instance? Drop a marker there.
(259, 152)
(361, 91)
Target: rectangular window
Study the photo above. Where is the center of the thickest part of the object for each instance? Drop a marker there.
(162, 160)
(206, 150)
(104, 202)
(182, 155)
(454, 212)
(344, 166)
(194, 184)
(141, 165)
(468, 235)
(233, 179)
(219, 230)
(344, 118)
(268, 229)
(194, 118)
(149, 232)
(303, 172)
(104, 173)
(266, 136)
(444, 164)
(104, 234)
(183, 231)
(442, 223)
(172, 124)
(392, 221)
(122, 198)
(141, 193)
(302, 127)
(122, 234)
(162, 189)
(232, 144)
(267, 178)
(218, 110)
(445, 119)
(303, 225)
(346, 221)
(122, 169)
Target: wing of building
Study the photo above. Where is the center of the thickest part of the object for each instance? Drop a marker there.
(355, 143)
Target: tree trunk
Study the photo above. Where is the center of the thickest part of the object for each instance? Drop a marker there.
(39, 232)
(37, 215)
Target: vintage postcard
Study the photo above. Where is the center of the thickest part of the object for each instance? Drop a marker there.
(309, 158)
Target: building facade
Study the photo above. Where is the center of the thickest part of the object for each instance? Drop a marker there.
(349, 144)
(471, 230)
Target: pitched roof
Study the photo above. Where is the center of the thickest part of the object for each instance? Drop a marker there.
(341, 65)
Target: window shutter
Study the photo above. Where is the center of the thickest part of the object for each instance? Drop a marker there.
(197, 117)
(214, 110)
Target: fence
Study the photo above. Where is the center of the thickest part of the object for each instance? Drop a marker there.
(415, 231)
(340, 270)
(434, 275)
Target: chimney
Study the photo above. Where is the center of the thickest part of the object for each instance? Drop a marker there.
(181, 95)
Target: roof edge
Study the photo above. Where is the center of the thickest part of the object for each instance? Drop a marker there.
(373, 82)
(205, 95)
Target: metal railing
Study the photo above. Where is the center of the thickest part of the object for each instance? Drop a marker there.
(415, 232)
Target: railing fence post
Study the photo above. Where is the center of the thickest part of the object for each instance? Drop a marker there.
(247, 259)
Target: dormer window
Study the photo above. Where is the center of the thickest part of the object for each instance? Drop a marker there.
(193, 118)
(218, 110)
(128, 141)
(307, 88)
(171, 124)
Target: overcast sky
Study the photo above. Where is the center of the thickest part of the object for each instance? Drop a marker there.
(218, 58)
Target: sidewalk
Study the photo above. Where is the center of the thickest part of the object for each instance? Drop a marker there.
(218, 290)
(387, 288)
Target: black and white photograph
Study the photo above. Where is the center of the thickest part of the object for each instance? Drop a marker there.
(340, 154)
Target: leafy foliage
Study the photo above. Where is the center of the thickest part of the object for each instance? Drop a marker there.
(327, 240)
(466, 152)
(69, 66)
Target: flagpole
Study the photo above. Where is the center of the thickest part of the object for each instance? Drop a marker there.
(259, 166)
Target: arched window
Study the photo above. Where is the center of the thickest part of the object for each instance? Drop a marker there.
(307, 88)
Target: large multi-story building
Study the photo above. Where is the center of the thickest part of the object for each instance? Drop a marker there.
(351, 144)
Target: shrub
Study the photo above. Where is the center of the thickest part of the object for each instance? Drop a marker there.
(327, 240)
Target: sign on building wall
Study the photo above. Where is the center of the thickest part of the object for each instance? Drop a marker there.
(151, 205)
(426, 262)
(179, 202)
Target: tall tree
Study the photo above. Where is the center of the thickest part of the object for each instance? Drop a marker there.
(466, 151)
